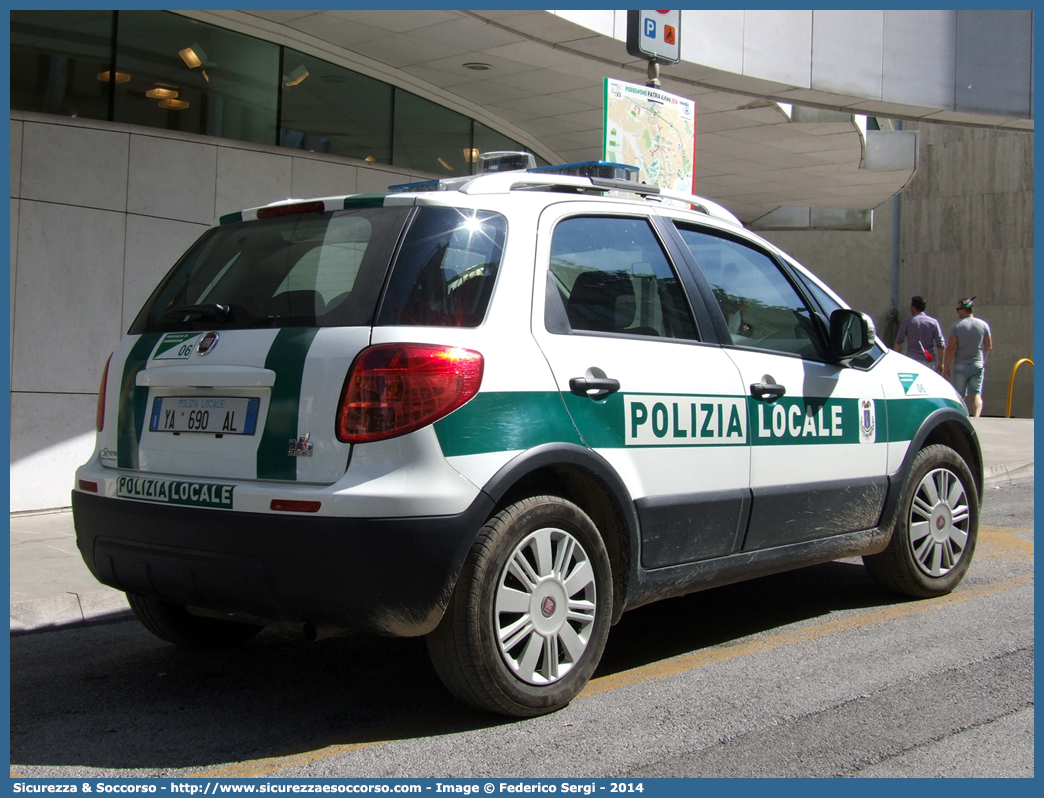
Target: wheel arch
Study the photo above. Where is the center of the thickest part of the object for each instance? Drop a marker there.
(583, 477)
(949, 427)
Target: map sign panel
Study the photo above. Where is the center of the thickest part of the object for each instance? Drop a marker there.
(652, 130)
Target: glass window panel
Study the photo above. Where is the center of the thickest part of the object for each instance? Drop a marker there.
(429, 137)
(612, 276)
(327, 108)
(189, 76)
(60, 62)
(445, 273)
(308, 270)
(761, 308)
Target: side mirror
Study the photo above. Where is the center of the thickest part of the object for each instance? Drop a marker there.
(851, 335)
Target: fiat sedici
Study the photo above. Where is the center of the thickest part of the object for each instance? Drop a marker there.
(498, 412)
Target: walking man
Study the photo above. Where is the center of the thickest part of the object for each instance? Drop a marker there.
(966, 350)
(926, 343)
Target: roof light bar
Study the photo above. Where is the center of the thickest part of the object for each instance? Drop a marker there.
(423, 185)
(603, 170)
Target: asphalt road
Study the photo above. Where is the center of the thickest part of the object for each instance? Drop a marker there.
(814, 673)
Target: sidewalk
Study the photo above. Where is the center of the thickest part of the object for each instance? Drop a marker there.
(51, 587)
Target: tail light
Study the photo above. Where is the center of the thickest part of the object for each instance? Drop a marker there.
(392, 389)
(99, 418)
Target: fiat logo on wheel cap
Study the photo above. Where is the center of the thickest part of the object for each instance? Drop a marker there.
(547, 606)
(206, 343)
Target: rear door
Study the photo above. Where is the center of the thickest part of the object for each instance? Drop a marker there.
(644, 384)
(818, 431)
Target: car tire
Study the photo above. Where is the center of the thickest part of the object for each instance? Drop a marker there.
(530, 613)
(934, 539)
(174, 624)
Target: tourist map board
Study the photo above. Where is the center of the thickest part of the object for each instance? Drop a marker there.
(653, 130)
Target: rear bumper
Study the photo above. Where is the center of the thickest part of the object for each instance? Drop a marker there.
(387, 575)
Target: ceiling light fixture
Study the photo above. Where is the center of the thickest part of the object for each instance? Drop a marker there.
(295, 77)
(121, 77)
(173, 105)
(477, 66)
(161, 94)
(471, 154)
(194, 57)
(446, 165)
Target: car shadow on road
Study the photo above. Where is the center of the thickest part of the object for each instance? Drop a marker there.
(114, 697)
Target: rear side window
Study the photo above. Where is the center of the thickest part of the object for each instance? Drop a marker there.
(306, 270)
(445, 272)
(610, 275)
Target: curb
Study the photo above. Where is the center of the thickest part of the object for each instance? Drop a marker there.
(69, 611)
(1011, 472)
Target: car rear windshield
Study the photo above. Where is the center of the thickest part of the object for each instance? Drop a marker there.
(328, 270)
(306, 270)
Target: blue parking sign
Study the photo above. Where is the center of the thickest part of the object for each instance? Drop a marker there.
(655, 35)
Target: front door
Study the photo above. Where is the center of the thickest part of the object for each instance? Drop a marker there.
(817, 430)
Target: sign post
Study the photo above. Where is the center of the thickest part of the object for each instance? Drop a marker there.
(656, 36)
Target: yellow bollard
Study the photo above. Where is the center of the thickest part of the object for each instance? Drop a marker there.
(1011, 382)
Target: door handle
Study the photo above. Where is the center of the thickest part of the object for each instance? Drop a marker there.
(767, 391)
(594, 387)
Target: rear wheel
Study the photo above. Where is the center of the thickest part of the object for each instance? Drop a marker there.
(530, 614)
(934, 540)
(175, 624)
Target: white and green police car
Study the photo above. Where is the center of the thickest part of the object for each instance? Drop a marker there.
(499, 411)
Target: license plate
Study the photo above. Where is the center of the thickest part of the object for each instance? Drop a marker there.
(217, 415)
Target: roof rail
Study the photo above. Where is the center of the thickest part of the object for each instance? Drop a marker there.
(544, 178)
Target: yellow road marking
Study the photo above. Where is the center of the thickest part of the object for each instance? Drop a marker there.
(1002, 543)
(690, 661)
(260, 767)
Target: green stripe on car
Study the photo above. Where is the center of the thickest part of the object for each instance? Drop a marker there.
(505, 421)
(364, 201)
(286, 357)
(512, 421)
(133, 402)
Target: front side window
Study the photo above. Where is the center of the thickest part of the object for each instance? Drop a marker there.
(762, 308)
(445, 271)
(611, 275)
(827, 305)
(312, 269)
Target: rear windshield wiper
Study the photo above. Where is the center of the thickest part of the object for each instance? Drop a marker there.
(211, 310)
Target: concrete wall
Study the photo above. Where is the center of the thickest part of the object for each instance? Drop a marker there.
(99, 213)
(857, 265)
(968, 231)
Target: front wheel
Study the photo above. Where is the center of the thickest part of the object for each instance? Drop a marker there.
(934, 539)
(530, 613)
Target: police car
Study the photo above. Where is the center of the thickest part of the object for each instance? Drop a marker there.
(499, 411)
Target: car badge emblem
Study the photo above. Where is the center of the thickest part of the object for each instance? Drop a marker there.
(207, 343)
(302, 447)
(547, 606)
